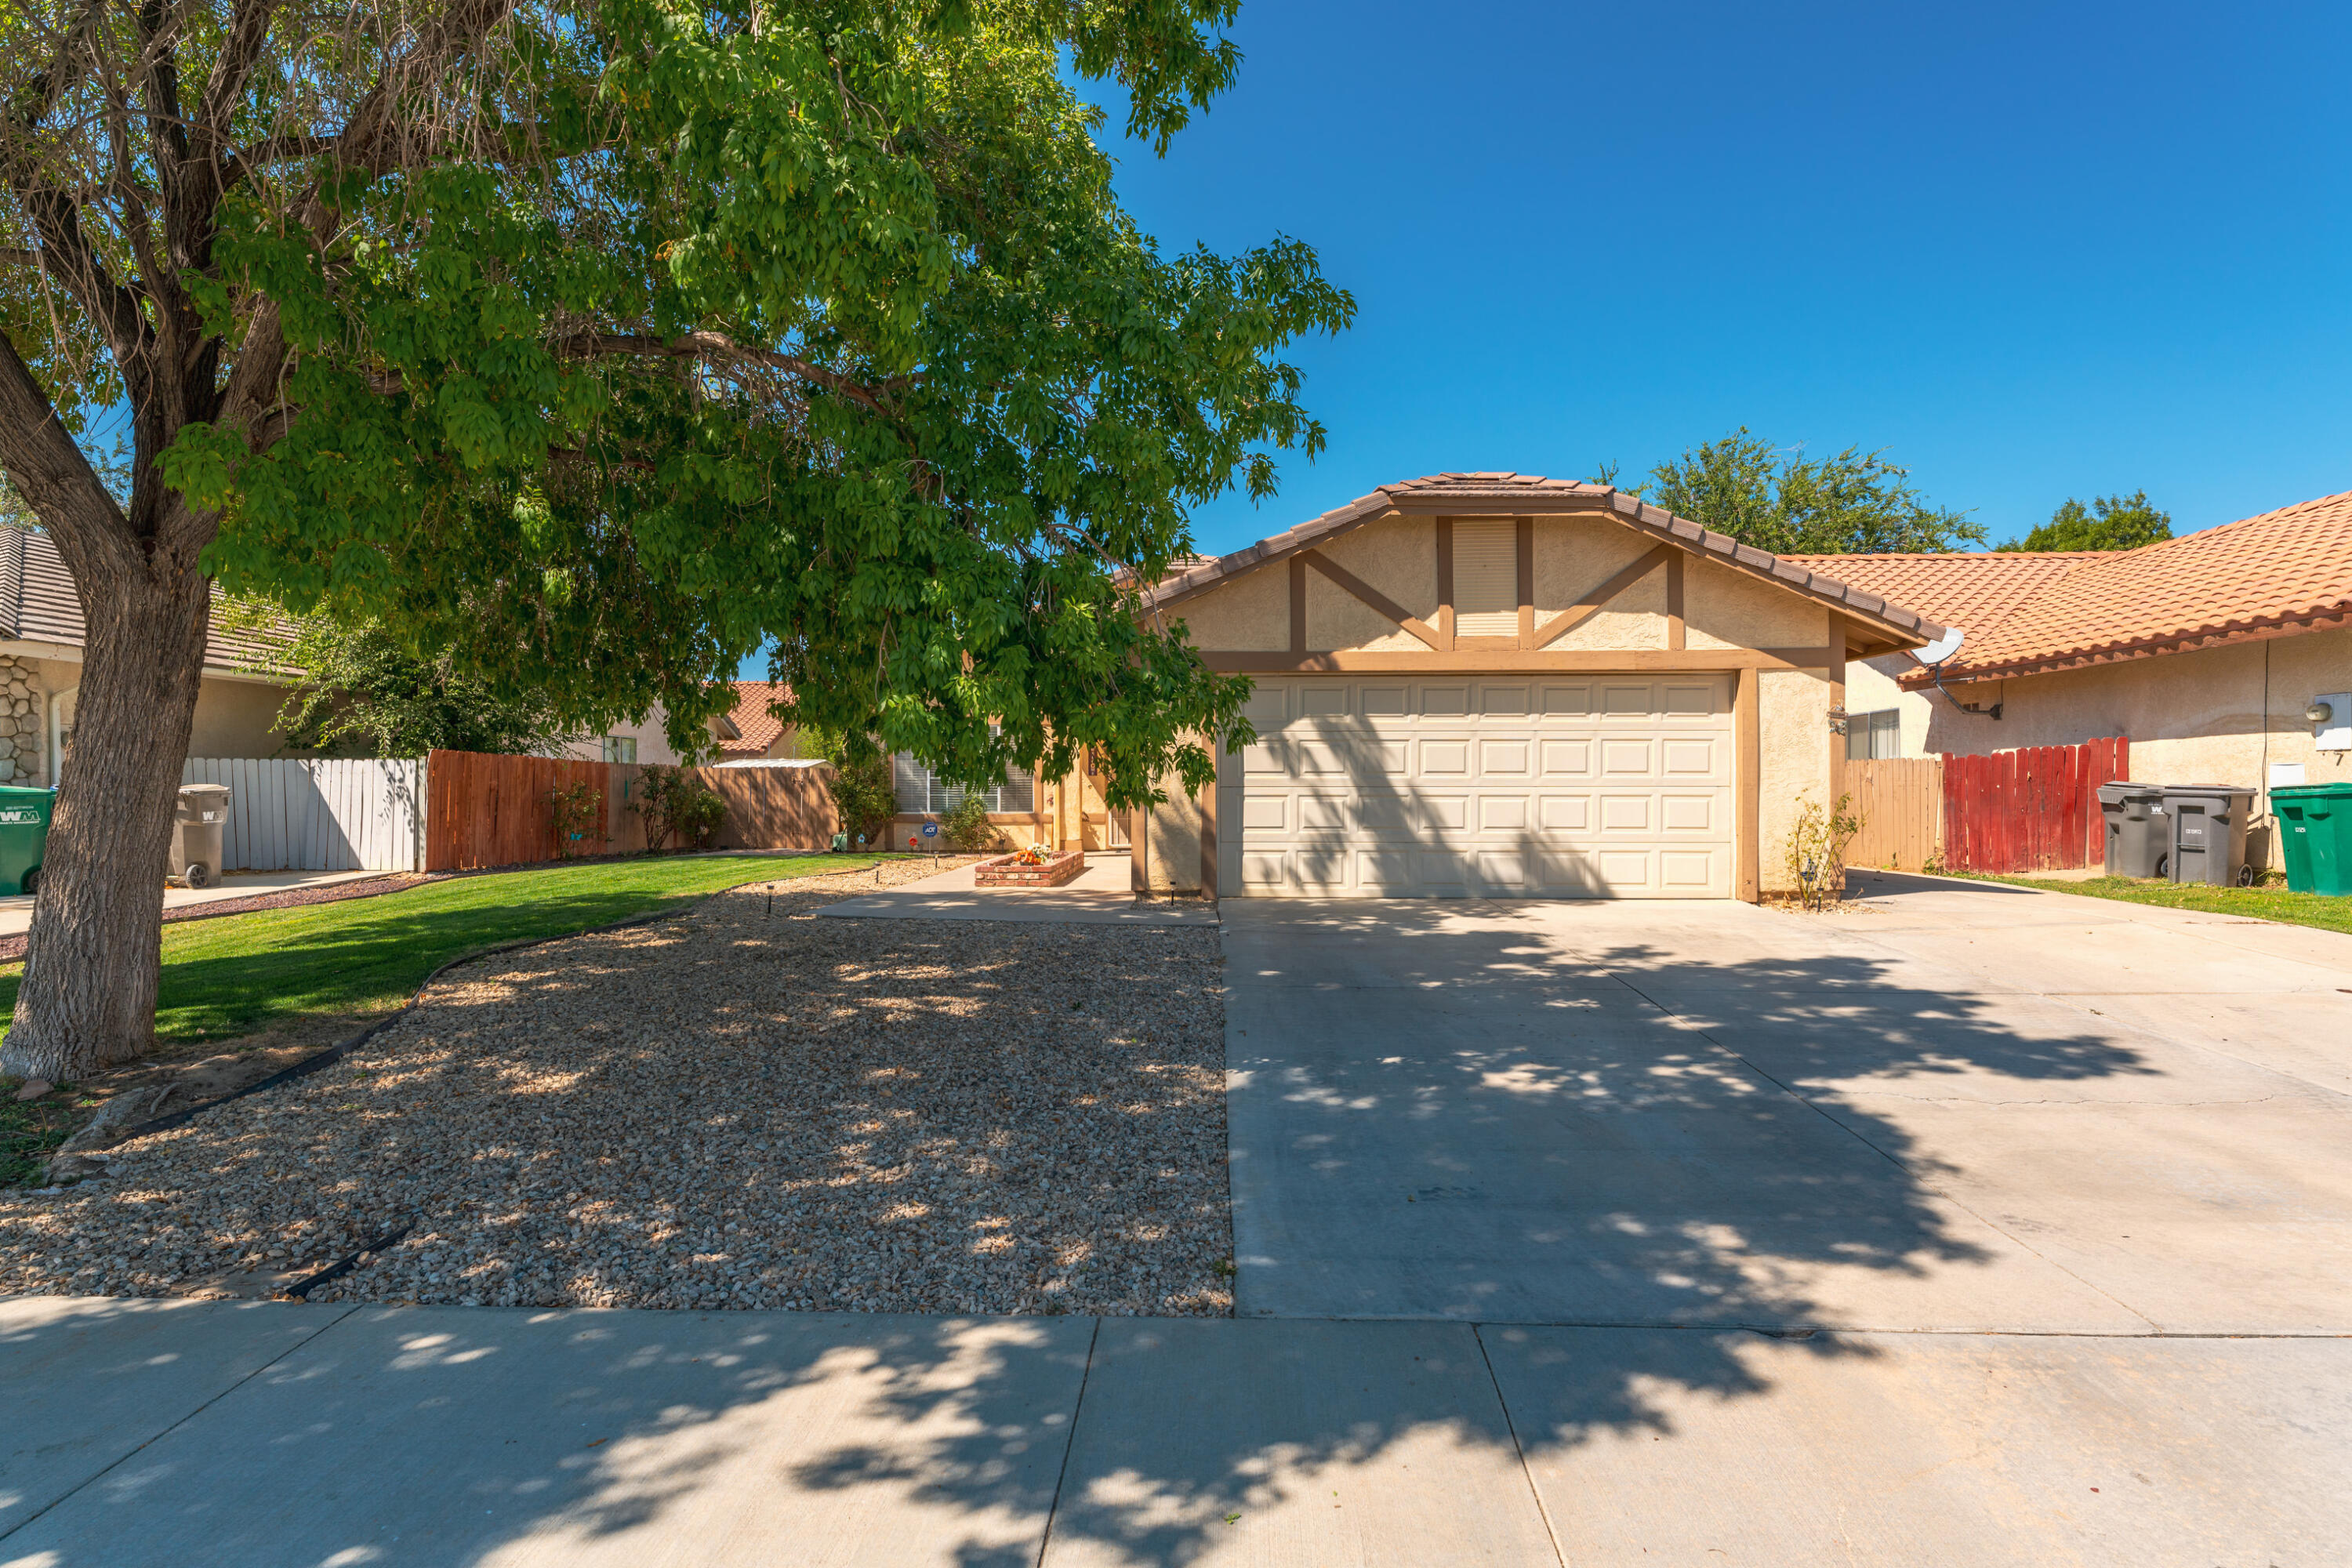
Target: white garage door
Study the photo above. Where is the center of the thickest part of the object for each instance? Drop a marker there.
(1602, 786)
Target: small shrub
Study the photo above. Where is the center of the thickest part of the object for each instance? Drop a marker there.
(1819, 837)
(576, 812)
(676, 805)
(966, 827)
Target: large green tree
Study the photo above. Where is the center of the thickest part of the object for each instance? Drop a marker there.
(608, 342)
(1853, 503)
(2109, 522)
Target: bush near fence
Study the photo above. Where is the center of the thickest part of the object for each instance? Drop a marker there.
(489, 810)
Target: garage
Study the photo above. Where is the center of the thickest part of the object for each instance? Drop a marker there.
(1485, 785)
(1496, 685)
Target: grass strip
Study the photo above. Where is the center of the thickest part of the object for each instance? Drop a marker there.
(2318, 910)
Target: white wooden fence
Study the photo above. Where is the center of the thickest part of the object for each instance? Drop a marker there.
(336, 815)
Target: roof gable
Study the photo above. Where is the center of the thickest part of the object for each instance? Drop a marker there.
(1500, 494)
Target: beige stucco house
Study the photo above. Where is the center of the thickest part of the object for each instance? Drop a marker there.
(41, 639)
(1498, 685)
(2209, 652)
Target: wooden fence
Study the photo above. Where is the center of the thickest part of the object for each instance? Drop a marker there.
(1901, 803)
(486, 810)
(2036, 809)
(482, 809)
(340, 815)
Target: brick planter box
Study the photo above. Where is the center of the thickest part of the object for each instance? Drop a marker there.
(1060, 867)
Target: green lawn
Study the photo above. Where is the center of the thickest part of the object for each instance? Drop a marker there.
(2318, 909)
(242, 972)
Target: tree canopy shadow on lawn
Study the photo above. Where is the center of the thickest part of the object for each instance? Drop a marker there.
(974, 1428)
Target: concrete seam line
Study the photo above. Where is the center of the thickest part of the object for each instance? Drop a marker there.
(335, 1053)
(1519, 1450)
(149, 1442)
(1069, 1446)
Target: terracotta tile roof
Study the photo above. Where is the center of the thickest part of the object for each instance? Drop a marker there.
(37, 604)
(1500, 493)
(756, 729)
(2285, 570)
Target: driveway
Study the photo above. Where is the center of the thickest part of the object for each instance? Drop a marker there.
(1946, 1106)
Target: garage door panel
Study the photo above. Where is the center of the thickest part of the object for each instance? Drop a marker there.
(1566, 759)
(1620, 756)
(1502, 812)
(1450, 788)
(1504, 758)
(1625, 813)
(1322, 811)
(1564, 812)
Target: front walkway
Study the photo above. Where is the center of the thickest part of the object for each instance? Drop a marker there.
(144, 1432)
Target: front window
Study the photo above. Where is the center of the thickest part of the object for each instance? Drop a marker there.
(620, 748)
(1873, 735)
(920, 794)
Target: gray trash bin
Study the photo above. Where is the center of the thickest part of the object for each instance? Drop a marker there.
(198, 821)
(2208, 832)
(2138, 832)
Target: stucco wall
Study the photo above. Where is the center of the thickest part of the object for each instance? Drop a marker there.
(1724, 608)
(1793, 765)
(2218, 715)
(1250, 613)
(1174, 862)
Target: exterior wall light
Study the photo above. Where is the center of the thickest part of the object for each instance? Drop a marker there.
(2318, 713)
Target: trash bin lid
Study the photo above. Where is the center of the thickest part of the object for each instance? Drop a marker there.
(2123, 789)
(204, 789)
(2334, 789)
(2210, 789)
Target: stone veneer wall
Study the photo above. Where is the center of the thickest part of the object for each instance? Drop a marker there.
(20, 721)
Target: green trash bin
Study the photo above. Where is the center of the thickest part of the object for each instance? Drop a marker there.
(24, 835)
(2315, 831)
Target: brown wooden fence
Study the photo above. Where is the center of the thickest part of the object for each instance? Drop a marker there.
(1901, 803)
(489, 810)
(485, 810)
(2035, 809)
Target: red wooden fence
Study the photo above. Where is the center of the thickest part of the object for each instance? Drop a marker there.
(482, 809)
(2035, 809)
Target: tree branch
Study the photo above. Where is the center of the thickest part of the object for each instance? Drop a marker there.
(717, 349)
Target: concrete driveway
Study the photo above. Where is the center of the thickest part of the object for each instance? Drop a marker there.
(1949, 1106)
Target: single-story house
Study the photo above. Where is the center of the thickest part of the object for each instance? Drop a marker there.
(1492, 684)
(2208, 652)
(41, 643)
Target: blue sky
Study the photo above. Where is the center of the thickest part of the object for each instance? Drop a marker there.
(2035, 250)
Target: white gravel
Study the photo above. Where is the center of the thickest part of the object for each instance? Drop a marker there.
(729, 1108)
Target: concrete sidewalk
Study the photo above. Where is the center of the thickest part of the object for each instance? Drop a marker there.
(17, 909)
(145, 1432)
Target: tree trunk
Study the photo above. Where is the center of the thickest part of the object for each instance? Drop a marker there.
(95, 952)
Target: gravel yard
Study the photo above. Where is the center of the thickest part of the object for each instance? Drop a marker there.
(739, 1106)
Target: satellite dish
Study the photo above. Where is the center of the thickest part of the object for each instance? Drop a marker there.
(1942, 649)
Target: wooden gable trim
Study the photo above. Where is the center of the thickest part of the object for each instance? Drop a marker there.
(1590, 606)
(1445, 584)
(1372, 597)
(1678, 634)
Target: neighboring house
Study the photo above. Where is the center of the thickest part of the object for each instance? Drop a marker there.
(757, 734)
(2204, 651)
(1492, 684)
(41, 639)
